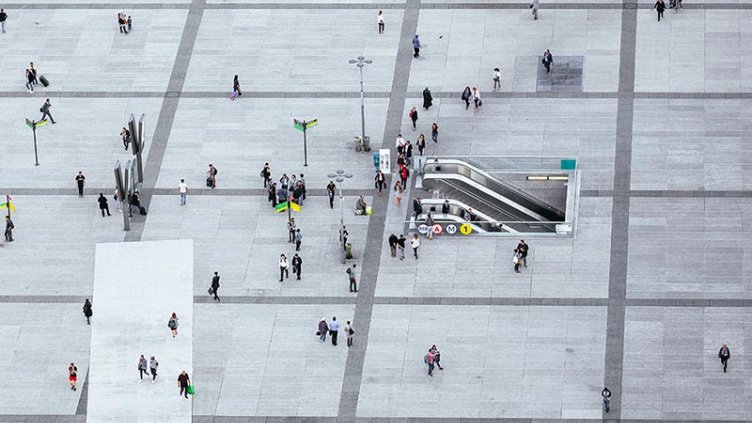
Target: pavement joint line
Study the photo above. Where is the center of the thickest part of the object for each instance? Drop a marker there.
(596, 95)
(364, 6)
(613, 375)
(353, 375)
(167, 114)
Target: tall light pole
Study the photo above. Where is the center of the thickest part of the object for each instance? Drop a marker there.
(340, 176)
(360, 62)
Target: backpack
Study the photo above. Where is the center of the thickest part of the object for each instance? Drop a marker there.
(171, 324)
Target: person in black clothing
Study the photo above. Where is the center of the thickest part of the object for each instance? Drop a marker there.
(297, 265)
(401, 245)
(724, 354)
(215, 286)
(445, 207)
(660, 7)
(272, 191)
(417, 207)
(606, 394)
(45, 109)
(88, 311)
(3, 18)
(9, 226)
(548, 59)
(393, 244)
(427, 99)
(466, 95)
(266, 174)
(183, 382)
(380, 180)
(103, 206)
(136, 202)
(80, 178)
(235, 88)
(331, 189)
(522, 248)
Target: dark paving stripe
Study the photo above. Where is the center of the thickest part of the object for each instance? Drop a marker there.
(348, 401)
(42, 418)
(315, 192)
(617, 277)
(691, 194)
(43, 299)
(282, 300)
(167, 114)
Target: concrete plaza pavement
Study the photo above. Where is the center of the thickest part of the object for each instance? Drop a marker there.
(639, 299)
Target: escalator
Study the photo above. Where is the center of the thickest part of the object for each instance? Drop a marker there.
(479, 190)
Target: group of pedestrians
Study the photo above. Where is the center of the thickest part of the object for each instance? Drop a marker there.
(31, 78)
(145, 367)
(520, 256)
(660, 7)
(125, 23)
(332, 329)
(292, 188)
(284, 265)
(433, 359)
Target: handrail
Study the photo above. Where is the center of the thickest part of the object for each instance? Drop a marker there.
(484, 218)
(500, 184)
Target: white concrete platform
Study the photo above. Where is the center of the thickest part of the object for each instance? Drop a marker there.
(136, 288)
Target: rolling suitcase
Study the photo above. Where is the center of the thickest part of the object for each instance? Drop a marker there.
(44, 81)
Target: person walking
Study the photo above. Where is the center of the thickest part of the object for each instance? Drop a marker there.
(496, 79)
(143, 367)
(173, 324)
(466, 95)
(33, 71)
(72, 376)
(235, 88)
(476, 98)
(30, 81)
(435, 133)
(724, 354)
(401, 241)
(350, 333)
(416, 46)
(3, 18)
(517, 260)
(266, 175)
(548, 59)
(398, 192)
(9, 226)
(45, 109)
(606, 395)
(283, 271)
(297, 265)
(88, 312)
(417, 207)
(523, 248)
(393, 244)
(323, 329)
(183, 382)
(271, 194)
(430, 359)
(415, 243)
(129, 24)
(380, 20)
(409, 152)
(534, 8)
(421, 144)
(153, 364)
(427, 99)
(437, 356)
(125, 135)
(380, 181)
(353, 280)
(331, 190)
(445, 207)
(211, 176)
(80, 178)
(659, 7)
(215, 286)
(334, 330)
(429, 224)
(183, 190)
(103, 206)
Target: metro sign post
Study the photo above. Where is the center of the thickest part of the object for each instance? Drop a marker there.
(302, 126)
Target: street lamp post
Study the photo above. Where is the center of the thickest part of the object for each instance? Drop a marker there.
(360, 62)
(340, 176)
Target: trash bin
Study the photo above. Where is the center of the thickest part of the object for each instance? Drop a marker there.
(348, 251)
(358, 144)
(367, 143)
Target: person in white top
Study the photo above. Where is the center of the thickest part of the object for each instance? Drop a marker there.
(476, 98)
(400, 144)
(283, 267)
(183, 188)
(497, 79)
(380, 19)
(415, 243)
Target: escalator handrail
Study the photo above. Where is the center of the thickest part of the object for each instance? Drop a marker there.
(483, 217)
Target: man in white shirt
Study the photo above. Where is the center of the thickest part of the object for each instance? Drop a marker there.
(400, 144)
(183, 188)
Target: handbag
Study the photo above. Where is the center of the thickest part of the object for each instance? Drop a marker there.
(318, 333)
(190, 390)
(515, 260)
(211, 290)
